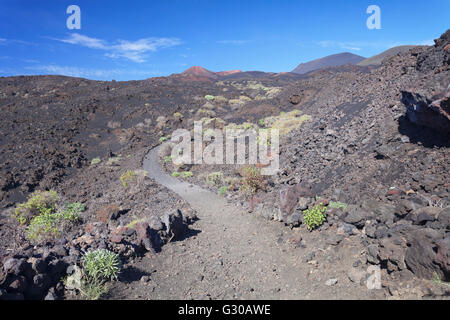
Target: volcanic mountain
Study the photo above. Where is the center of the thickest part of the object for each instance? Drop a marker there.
(200, 73)
(377, 59)
(328, 61)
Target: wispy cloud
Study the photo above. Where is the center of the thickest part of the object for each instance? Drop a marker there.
(234, 42)
(352, 46)
(85, 41)
(90, 73)
(9, 41)
(132, 50)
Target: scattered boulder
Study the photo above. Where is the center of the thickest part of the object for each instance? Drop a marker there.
(392, 253)
(420, 256)
(442, 257)
(175, 226)
(425, 112)
(289, 199)
(357, 216)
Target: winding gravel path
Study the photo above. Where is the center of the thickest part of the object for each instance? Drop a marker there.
(236, 255)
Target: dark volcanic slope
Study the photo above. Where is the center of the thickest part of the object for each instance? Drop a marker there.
(52, 126)
(328, 61)
(377, 59)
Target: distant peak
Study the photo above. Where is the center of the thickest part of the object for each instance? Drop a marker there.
(197, 71)
(334, 60)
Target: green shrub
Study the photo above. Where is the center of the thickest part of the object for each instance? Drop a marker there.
(39, 202)
(162, 139)
(209, 97)
(436, 279)
(187, 174)
(101, 264)
(315, 216)
(44, 225)
(214, 178)
(95, 161)
(134, 222)
(50, 224)
(114, 160)
(71, 211)
(168, 159)
(223, 190)
(93, 289)
(127, 177)
(252, 180)
(175, 174)
(233, 183)
(261, 122)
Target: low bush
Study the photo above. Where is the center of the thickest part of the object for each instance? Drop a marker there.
(168, 159)
(39, 202)
(127, 177)
(95, 161)
(43, 218)
(223, 190)
(252, 181)
(214, 178)
(51, 224)
(99, 266)
(315, 216)
(187, 174)
(102, 264)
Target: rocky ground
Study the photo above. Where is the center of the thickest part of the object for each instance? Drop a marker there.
(373, 141)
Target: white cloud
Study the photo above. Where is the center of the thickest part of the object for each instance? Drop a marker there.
(90, 73)
(14, 41)
(352, 46)
(235, 42)
(131, 50)
(85, 41)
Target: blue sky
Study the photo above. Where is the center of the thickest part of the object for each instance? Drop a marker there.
(126, 40)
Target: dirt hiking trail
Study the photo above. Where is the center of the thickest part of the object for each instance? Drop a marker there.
(234, 255)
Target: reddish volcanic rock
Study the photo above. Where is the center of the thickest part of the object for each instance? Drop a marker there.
(226, 73)
(200, 72)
